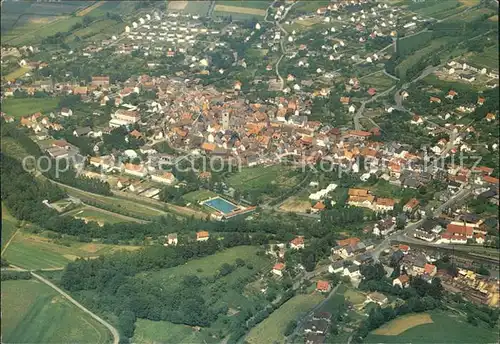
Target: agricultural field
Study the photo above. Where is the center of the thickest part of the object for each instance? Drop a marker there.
(405, 45)
(262, 4)
(271, 329)
(31, 251)
(241, 9)
(433, 8)
(100, 216)
(488, 58)
(18, 107)
(419, 329)
(38, 314)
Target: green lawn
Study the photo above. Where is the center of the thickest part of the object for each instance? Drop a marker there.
(378, 80)
(446, 328)
(38, 252)
(32, 312)
(18, 107)
(147, 331)
(208, 266)
(271, 329)
(197, 196)
(261, 176)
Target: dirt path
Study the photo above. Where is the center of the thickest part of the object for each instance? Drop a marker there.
(8, 242)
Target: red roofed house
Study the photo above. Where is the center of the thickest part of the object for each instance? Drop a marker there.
(404, 248)
(434, 100)
(430, 269)
(461, 230)
(164, 178)
(411, 205)
(402, 281)
(451, 94)
(278, 269)
(479, 238)
(490, 180)
(318, 207)
(360, 134)
(100, 81)
(372, 91)
(297, 243)
(480, 100)
(384, 204)
(202, 236)
(323, 286)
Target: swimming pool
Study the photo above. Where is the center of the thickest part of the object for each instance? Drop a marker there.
(220, 204)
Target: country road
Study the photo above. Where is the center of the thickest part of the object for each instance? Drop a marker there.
(114, 331)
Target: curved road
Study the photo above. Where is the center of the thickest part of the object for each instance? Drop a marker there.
(114, 331)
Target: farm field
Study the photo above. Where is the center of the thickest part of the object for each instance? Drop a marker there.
(457, 330)
(36, 252)
(18, 107)
(13, 148)
(405, 45)
(97, 215)
(263, 4)
(271, 329)
(488, 58)
(38, 314)
(239, 12)
(433, 8)
(147, 331)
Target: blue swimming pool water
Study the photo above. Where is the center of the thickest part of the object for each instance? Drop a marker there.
(221, 205)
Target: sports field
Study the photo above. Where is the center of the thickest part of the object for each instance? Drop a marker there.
(271, 329)
(32, 312)
(100, 216)
(18, 107)
(36, 252)
(433, 327)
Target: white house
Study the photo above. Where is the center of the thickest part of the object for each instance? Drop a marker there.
(278, 269)
(135, 170)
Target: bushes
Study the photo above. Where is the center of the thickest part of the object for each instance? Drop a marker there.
(15, 275)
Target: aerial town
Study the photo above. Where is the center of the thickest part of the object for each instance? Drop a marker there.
(282, 171)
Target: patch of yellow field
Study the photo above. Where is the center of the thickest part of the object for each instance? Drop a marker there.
(307, 22)
(296, 206)
(44, 20)
(243, 10)
(90, 8)
(70, 256)
(401, 324)
(17, 74)
(494, 18)
(177, 5)
(469, 2)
